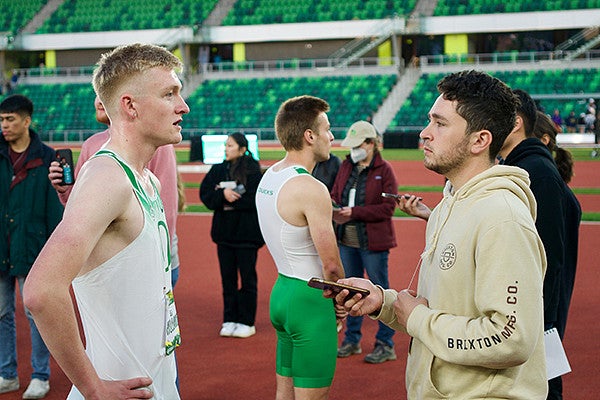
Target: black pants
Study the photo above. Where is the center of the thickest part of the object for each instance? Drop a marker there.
(239, 301)
(555, 389)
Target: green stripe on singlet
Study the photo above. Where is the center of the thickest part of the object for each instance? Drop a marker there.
(301, 170)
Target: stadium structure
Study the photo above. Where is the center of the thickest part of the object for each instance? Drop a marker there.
(370, 59)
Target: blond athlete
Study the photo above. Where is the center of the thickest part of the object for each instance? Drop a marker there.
(112, 244)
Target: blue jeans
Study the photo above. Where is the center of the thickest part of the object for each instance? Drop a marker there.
(375, 264)
(40, 356)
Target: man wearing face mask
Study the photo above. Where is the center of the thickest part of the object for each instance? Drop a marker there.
(364, 227)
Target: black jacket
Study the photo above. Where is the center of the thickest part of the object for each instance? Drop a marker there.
(29, 211)
(234, 224)
(557, 223)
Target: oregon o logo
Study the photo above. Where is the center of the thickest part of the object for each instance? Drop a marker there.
(448, 257)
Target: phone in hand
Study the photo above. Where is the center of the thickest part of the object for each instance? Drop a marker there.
(398, 196)
(335, 287)
(241, 189)
(65, 159)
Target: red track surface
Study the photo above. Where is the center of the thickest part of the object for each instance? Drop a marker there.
(215, 368)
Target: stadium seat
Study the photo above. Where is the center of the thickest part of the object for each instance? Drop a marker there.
(94, 16)
(551, 82)
(61, 107)
(14, 15)
(253, 103)
(456, 7)
(251, 12)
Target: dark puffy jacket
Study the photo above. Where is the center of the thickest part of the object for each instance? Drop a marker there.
(29, 211)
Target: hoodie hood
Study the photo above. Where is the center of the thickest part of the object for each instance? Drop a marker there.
(498, 177)
(528, 147)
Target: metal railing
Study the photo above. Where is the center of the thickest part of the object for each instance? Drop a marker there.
(362, 65)
(513, 57)
(294, 64)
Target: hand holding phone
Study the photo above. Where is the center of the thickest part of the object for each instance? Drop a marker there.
(65, 159)
(335, 287)
(397, 197)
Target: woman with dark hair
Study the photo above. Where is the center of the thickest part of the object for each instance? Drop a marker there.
(546, 131)
(229, 189)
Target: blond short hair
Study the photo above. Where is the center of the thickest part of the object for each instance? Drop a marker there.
(127, 62)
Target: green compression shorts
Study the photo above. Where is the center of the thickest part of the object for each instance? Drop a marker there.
(306, 333)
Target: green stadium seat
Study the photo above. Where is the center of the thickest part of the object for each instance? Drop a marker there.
(92, 15)
(253, 103)
(568, 83)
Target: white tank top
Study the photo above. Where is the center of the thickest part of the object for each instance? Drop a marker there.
(124, 304)
(290, 246)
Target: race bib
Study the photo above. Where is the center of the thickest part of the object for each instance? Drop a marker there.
(172, 334)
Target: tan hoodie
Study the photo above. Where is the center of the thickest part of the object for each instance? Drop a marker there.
(482, 272)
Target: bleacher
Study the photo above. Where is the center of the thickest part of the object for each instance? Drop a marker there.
(253, 103)
(14, 15)
(562, 89)
(64, 110)
(115, 15)
(461, 7)
(254, 12)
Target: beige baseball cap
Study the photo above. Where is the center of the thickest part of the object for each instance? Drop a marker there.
(357, 133)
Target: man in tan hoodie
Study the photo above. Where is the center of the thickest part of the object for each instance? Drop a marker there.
(476, 319)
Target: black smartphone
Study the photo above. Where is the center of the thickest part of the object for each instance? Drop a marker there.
(395, 196)
(65, 159)
(398, 196)
(335, 287)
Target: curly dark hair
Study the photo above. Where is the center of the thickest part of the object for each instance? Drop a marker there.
(485, 102)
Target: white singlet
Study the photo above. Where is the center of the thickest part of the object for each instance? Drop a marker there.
(126, 304)
(291, 247)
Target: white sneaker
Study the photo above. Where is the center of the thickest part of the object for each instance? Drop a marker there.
(228, 328)
(244, 331)
(37, 389)
(8, 385)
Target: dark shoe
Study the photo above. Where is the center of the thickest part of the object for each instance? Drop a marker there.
(348, 349)
(382, 353)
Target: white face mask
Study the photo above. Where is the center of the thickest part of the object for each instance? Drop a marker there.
(357, 154)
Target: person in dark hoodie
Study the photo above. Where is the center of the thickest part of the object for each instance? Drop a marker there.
(229, 189)
(30, 211)
(558, 215)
